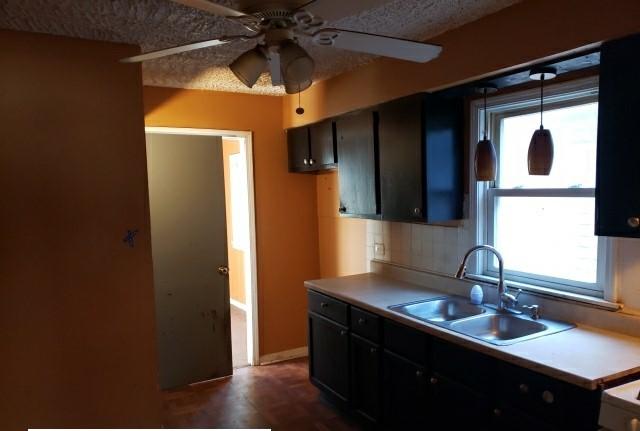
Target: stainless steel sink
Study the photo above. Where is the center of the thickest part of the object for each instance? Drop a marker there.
(482, 322)
(440, 309)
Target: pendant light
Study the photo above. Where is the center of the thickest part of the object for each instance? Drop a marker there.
(540, 155)
(486, 161)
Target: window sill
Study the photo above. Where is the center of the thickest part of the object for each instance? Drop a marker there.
(552, 293)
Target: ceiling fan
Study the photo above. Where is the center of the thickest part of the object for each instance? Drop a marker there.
(277, 25)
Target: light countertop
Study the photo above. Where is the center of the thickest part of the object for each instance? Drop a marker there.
(585, 356)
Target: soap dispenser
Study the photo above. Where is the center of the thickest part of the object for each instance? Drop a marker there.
(476, 294)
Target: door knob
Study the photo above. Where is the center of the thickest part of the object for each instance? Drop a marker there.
(342, 209)
(223, 270)
(633, 222)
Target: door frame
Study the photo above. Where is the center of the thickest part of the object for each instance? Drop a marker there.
(251, 272)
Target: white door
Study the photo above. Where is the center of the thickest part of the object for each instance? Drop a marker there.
(189, 245)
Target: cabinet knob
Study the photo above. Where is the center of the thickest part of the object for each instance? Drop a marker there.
(311, 161)
(547, 397)
(362, 321)
(497, 412)
(418, 374)
(343, 332)
(323, 305)
(524, 389)
(305, 161)
(373, 350)
(433, 381)
(342, 209)
(417, 212)
(633, 222)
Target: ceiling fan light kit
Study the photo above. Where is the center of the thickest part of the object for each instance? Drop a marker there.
(279, 25)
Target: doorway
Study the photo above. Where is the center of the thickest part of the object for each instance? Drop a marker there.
(203, 244)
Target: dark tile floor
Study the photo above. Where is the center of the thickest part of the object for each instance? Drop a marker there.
(277, 396)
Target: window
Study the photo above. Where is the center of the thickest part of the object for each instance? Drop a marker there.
(544, 225)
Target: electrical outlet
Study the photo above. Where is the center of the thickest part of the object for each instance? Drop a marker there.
(378, 249)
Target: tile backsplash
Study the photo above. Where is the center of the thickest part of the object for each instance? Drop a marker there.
(427, 247)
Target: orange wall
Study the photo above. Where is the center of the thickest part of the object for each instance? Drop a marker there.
(236, 256)
(286, 210)
(76, 305)
(516, 36)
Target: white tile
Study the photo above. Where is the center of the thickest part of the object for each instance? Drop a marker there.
(416, 240)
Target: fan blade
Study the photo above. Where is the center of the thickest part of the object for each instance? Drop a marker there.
(174, 50)
(331, 10)
(274, 68)
(211, 7)
(378, 45)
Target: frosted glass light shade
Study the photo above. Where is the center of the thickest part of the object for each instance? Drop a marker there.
(486, 161)
(540, 155)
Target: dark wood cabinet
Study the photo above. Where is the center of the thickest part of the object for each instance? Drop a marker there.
(329, 357)
(323, 145)
(406, 393)
(456, 406)
(366, 371)
(358, 164)
(421, 158)
(312, 148)
(298, 146)
(618, 154)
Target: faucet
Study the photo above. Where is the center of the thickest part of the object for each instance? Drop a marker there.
(505, 299)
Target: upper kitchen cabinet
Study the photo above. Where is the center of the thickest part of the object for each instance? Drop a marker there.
(312, 148)
(617, 175)
(299, 148)
(421, 151)
(358, 164)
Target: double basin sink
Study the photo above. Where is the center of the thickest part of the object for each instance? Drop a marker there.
(481, 322)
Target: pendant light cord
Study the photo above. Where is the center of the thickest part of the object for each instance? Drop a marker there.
(541, 99)
(486, 120)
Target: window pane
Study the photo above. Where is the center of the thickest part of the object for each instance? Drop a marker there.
(574, 132)
(549, 236)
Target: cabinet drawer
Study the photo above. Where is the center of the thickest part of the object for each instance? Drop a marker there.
(405, 341)
(365, 324)
(328, 307)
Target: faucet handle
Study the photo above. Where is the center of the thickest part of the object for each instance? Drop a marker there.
(518, 292)
(534, 311)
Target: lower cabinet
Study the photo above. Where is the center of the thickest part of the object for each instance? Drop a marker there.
(393, 377)
(405, 392)
(366, 369)
(329, 357)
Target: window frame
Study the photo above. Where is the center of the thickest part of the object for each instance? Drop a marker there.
(483, 195)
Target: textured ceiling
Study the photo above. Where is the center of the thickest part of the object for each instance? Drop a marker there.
(157, 24)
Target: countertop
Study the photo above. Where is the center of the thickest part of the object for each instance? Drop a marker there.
(585, 356)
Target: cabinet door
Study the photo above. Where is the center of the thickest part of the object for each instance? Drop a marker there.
(323, 145)
(402, 161)
(617, 174)
(456, 406)
(298, 146)
(365, 378)
(329, 356)
(405, 394)
(358, 155)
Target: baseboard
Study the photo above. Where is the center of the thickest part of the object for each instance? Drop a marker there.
(284, 356)
(238, 304)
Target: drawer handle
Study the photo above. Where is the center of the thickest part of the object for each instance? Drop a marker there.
(433, 381)
(547, 397)
(323, 305)
(497, 412)
(343, 332)
(524, 389)
(373, 350)
(419, 374)
(362, 321)
(633, 222)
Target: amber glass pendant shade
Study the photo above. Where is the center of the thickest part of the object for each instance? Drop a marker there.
(540, 155)
(486, 161)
